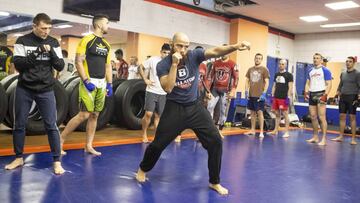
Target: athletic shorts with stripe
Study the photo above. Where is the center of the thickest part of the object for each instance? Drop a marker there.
(91, 101)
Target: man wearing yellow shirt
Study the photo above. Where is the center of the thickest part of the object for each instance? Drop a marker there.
(93, 65)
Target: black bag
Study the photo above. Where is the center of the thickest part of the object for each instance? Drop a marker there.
(269, 124)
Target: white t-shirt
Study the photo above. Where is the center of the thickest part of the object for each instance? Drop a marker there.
(69, 68)
(150, 66)
(133, 72)
(317, 78)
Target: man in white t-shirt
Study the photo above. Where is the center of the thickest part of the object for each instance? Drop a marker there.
(155, 96)
(134, 69)
(318, 86)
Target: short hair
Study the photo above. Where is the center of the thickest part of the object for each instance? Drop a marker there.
(64, 53)
(98, 17)
(119, 52)
(258, 54)
(317, 54)
(166, 47)
(325, 60)
(283, 60)
(352, 58)
(42, 17)
(199, 47)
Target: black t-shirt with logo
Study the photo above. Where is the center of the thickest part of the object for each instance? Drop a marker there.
(281, 81)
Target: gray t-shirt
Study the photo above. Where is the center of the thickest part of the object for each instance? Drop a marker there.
(349, 82)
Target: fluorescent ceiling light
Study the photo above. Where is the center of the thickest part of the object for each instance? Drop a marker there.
(340, 25)
(18, 35)
(63, 26)
(342, 5)
(316, 18)
(3, 13)
(86, 33)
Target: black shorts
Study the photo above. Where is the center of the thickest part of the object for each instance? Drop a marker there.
(346, 104)
(255, 105)
(314, 97)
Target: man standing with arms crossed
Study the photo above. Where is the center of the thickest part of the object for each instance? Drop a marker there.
(349, 93)
(257, 83)
(223, 82)
(35, 56)
(93, 64)
(318, 86)
(179, 77)
(155, 96)
(282, 92)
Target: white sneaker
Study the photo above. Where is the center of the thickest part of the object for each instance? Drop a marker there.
(261, 135)
(286, 135)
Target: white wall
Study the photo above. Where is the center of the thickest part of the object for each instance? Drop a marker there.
(281, 47)
(138, 16)
(336, 45)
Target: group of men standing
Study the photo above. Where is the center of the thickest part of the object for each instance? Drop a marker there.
(172, 92)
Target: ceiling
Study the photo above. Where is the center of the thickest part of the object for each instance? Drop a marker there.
(22, 24)
(284, 14)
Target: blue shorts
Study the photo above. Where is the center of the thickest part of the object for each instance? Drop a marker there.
(255, 105)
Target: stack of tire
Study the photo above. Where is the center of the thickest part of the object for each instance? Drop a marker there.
(35, 123)
(125, 108)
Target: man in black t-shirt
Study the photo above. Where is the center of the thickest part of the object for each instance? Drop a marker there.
(281, 94)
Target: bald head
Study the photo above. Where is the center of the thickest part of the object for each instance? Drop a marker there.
(180, 36)
(180, 43)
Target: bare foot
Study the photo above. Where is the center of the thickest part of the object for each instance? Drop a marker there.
(220, 189)
(91, 150)
(58, 169)
(353, 142)
(14, 164)
(313, 140)
(261, 135)
(63, 153)
(286, 135)
(221, 135)
(249, 133)
(323, 142)
(274, 132)
(145, 139)
(141, 176)
(178, 138)
(338, 139)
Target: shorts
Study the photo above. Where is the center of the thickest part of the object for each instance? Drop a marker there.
(91, 101)
(154, 102)
(280, 104)
(346, 104)
(255, 105)
(314, 98)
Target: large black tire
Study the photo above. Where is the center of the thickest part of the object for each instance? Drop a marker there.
(3, 103)
(35, 125)
(66, 80)
(130, 101)
(115, 119)
(6, 82)
(9, 90)
(72, 90)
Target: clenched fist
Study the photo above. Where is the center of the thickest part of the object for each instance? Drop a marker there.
(176, 57)
(244, 45)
